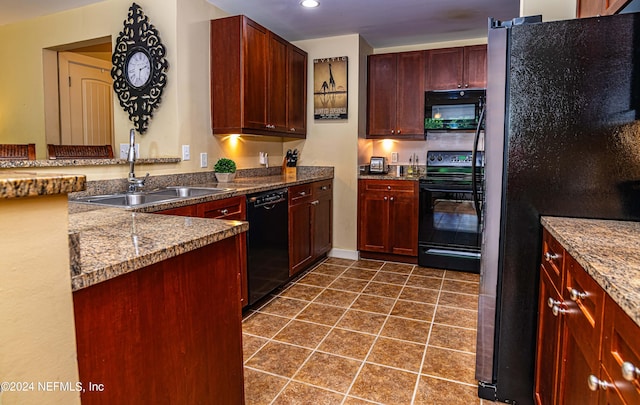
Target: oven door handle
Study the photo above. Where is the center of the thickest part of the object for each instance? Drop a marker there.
(474, 180)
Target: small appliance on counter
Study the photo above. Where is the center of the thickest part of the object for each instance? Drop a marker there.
(378, 165)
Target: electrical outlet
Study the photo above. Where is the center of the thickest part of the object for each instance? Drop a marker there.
(204, 160)
(394, 157)
(186, 154)
(124, 150)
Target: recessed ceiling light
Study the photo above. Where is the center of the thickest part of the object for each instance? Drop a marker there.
(309, 3)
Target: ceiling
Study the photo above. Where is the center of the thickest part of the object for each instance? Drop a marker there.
(382, 23)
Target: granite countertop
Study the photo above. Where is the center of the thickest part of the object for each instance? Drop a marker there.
(114, 241)
(27, 184)
(608, 251)
(12, 164)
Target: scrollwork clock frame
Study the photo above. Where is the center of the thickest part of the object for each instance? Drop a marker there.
(137, 35)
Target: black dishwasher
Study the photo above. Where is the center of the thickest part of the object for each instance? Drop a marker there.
(267, 243)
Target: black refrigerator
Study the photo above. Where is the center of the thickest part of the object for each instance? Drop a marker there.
(561, 139)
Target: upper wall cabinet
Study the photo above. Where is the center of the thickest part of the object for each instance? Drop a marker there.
(456, 68)
(258, 81)
(396, 95)
(592, 8)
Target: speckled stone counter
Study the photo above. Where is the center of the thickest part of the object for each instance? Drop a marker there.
(609, 251)
(12, 164)
(115, 241)
(16, 185)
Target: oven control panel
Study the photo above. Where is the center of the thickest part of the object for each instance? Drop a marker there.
(453, 158)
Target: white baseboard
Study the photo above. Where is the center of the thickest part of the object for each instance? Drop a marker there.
(344, 254)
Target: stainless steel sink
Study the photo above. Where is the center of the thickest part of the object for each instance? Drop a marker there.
(128, 200)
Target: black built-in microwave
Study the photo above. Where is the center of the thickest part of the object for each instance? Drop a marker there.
(453, 110)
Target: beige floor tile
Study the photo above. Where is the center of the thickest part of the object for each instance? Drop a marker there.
(264, 325)
(449, 364)
(396, 353)
(463, 301)
(261, 388)
(356, 401)
(362, 321)
(339, 261)
(382, 289)
(391, 278)
(324, 314)
(361, 274)
(450, 337)
(380, 305)
(424, 295)
(433, 391)
(457, 286)
(397, 267)
(368, 264)
(424, 282)
(348, 284)
(461, 275)
(279, 358)
(282, 306)
(251, 344)
(456, 317)
(347, 343)
(384, 385)
(299, 394)
(428, 271)
(414, 310)
(329, 269)
(302, 334)
(406, 329)
(302, 292)
(328, 371)
(336, 297)
(319, 280)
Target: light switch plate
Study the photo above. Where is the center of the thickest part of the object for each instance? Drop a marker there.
(204, 160)
(186, 154)
(394, 157)
(124, 150)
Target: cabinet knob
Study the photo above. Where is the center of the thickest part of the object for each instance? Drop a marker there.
(386, 198)
(596, 384)
(629, 371)
(303, 193)
(393, 131)
(548, 256)
(466, 85)
(324, 188)
(292, 129)
(551, 302)
(399, 132)
(556, 310)
(388, 187)
(224, 211)
(316, 202)
(391, 199)
(459, 85)
(575, 295)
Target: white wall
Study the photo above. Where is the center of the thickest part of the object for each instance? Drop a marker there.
(549, 9)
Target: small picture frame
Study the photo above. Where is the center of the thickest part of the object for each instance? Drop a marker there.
(330, 88)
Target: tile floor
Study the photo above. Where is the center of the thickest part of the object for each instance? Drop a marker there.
(363, 332)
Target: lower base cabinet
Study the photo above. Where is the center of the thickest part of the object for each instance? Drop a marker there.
(169, 333)
(584, 338)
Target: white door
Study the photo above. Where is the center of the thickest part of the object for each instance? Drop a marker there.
(86, 100)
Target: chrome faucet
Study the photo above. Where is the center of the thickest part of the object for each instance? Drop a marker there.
(134, 183)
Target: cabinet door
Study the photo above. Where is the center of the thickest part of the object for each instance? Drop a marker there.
(255, 75)
(611, 396)
(297, 91)
(322, 219)
(403, 223)
(277, 84)
(577, 364)
(410, 94)
(300, 243)
(381, 96)
(589, 8)
(475, 66)
(613, 6)
(548, 346)
(373, 220)
(444, 68)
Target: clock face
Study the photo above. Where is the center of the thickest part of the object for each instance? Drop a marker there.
(138, 69)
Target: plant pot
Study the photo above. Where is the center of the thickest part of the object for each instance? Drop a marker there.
(225, 177)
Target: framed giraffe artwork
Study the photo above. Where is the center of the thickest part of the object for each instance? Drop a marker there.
(330, 88)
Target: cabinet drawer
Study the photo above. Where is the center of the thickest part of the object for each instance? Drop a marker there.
(621, 343)
(321, 188)
(402, 186)
(229, 208)
(300, 193)
(584, 299)
(552, 259)
(186, 211)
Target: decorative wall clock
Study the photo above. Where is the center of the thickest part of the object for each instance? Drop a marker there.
(139, 68)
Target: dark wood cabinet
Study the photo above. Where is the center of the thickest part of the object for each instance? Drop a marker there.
(169, 333)
(310, 223)
(456, 68)
(396, 95)
(388, 217)
(592, 8)
(227, 208)
(254, 89)
(580, 348)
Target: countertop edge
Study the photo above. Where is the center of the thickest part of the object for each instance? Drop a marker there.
(19, 185)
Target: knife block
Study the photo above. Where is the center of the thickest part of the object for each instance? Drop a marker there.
(290, 173)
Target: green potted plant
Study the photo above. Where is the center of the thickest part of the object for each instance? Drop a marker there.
(225, 170)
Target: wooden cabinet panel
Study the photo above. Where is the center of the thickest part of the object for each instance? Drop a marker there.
(300, 242)
(228, 208)
(475, 66)
(388, 217)
(553, 259)
(187, 211)
(589, 8)
(577, 364)
(455, 68)
(396, 95)
(258, 80)
(323, 217)
(167, 333)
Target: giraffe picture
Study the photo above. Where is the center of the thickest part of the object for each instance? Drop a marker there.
(330, 88)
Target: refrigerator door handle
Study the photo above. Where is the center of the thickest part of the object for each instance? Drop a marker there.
(474, 180)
